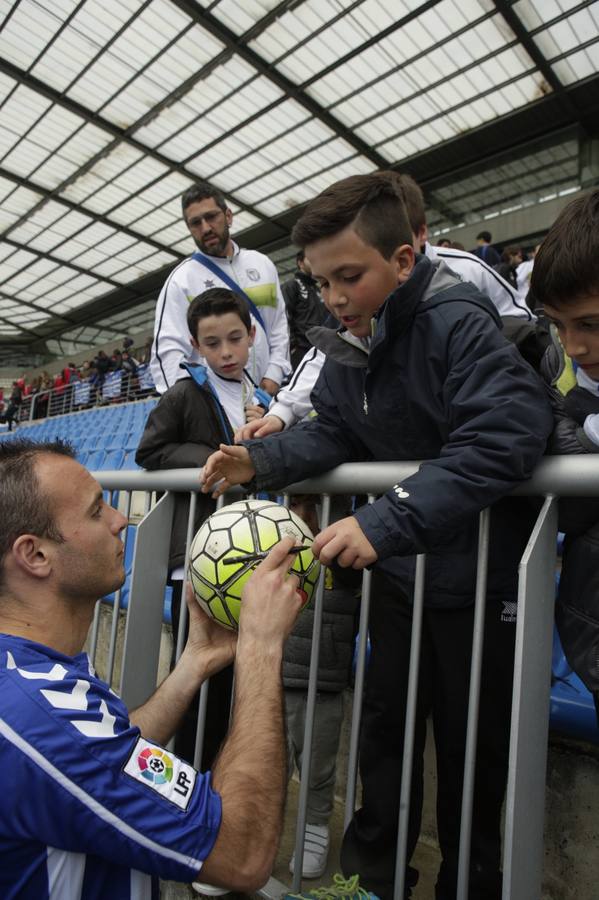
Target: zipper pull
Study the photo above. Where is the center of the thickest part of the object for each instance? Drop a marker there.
(365, 404)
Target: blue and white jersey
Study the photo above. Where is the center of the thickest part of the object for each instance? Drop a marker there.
(90, 809)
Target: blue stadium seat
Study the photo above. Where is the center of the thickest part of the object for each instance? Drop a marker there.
(94, 460)
(113, 460)
(129, 461)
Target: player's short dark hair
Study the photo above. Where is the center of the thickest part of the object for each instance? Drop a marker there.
(374, 205)
(203, 190)
(23, 507)
(217, 302)
(566, 267)
(484, 236)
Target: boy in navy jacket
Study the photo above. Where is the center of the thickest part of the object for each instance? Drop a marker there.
(418, 369)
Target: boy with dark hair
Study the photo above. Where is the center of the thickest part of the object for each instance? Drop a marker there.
(190, 421)
(418, 369)
(565, 281)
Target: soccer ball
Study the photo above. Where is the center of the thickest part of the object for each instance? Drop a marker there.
(249, 526)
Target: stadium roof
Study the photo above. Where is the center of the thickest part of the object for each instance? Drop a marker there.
(109, 109)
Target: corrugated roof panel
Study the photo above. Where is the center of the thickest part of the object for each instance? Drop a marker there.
(304, 191)
(29, 30)
(240, 17)
(90, 29)
(578, 65)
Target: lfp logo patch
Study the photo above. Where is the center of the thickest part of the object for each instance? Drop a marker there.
(155, 765)
(161, 772)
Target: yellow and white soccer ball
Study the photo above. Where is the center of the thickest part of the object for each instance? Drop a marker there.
(249, 526)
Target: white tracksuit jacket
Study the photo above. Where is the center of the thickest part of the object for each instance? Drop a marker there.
(257, 275)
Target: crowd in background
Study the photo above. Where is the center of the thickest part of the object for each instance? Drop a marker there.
(116, 378)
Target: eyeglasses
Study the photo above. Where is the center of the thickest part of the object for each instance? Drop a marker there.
(209, 218)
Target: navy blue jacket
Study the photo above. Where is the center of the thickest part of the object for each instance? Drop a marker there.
(440, 383)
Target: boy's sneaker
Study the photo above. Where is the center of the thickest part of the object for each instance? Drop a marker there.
(316, 851)
(341, 889)
(209, 890)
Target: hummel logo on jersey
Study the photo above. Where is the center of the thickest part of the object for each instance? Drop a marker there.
(401, 494)
(75, 699)
(253, 274)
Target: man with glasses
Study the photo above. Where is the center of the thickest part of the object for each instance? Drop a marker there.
(219, 262)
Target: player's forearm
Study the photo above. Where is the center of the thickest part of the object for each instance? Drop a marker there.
(250, 772)
(161, 715)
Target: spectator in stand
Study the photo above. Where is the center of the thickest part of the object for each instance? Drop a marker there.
(339, 625)
(304, 307)
(484, 250)
(1, 401)
(565, 282)
(193, 418)
(293, 401)
(524, 275)
(146, 356)
(443, 242)
(510, 260)
(116, 360)
(418, 369)
(102, 365)
(11, 415)
(219, 262)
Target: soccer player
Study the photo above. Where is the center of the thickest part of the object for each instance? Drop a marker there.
(418, 369)
(93, 806)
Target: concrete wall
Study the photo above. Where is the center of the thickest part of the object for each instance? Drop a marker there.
(505, 228)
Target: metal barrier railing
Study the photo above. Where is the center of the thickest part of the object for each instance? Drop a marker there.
(525, 798)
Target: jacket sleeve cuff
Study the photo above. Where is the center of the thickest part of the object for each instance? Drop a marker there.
(377, 531)
(282, 412)
(275, 373)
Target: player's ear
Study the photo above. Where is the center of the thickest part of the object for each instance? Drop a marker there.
(252, 335)
(228, 217)
(194, 343)
(30, 555)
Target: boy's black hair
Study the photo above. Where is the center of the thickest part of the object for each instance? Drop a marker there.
(203, 190)
(484, 236)
(414, 200)
(566, 267)
(24, 509)
(374, 205)
(216, 302)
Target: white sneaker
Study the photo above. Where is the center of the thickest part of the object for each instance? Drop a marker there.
(209, 890)
(316, 851)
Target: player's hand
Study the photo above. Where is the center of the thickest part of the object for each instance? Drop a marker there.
(344, 542)
(210, 645)
(270, 601)
(227, 466)
(271, 387)
(259, 428)
(254, 412)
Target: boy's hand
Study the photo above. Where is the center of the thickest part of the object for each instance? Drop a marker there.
(344, 542)
(259, 428)
(209, 644)
(270, 599)
(225, 467)
(254, 412)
